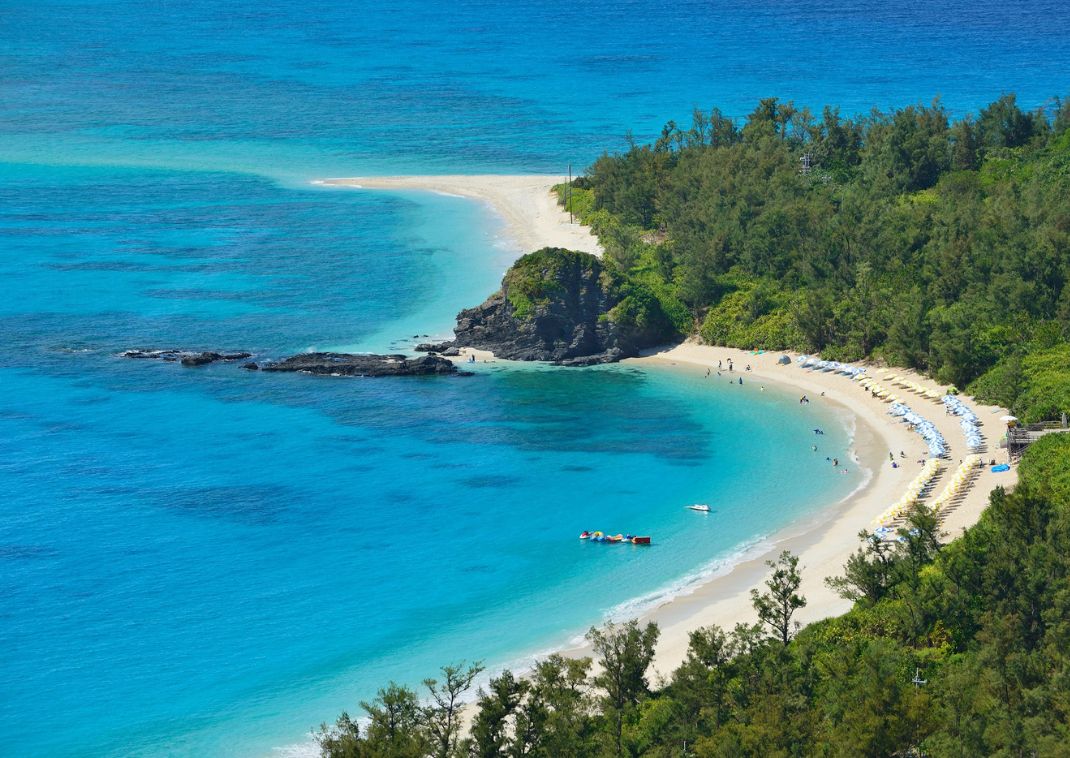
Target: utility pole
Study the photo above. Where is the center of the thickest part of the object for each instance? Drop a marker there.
(917, 680)
(568, 194)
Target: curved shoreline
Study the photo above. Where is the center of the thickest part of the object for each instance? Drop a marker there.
(825, 539)
(829, 535)
(525, 202)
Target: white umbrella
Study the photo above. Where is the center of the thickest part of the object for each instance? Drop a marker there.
(1008, 418)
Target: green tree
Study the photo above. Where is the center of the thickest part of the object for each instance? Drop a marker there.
(1004, 124)
(869, 571)
(442, 714)
(625, 652)
(396, 724)
(491, 728)
(554, 719)
(339, 740)
(777, 606)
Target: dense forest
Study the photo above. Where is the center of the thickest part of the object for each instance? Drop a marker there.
(936, 244)
(905, 237)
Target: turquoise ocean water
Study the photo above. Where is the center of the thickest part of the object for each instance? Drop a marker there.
(200, 562)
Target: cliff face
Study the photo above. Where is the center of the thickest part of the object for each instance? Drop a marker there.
(558, 305)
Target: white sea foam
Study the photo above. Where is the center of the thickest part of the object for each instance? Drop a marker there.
(689, 583)
(307, 749)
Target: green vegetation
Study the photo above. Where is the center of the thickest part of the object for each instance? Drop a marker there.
(641, 310)
(944, 246)
(939, 245)
(533, 280)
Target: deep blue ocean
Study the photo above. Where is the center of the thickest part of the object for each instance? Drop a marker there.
(212, 561)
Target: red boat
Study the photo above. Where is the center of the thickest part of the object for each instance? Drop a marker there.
(640, 540)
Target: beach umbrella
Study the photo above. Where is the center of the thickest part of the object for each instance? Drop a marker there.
(1008, 418)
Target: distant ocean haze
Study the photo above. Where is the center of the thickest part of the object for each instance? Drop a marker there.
(205, 561)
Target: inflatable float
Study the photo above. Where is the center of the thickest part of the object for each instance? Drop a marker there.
(615, 539)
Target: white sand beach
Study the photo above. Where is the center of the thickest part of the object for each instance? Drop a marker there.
(826, 539)
(526, 203)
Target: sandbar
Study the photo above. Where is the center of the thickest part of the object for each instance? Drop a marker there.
(526, 203)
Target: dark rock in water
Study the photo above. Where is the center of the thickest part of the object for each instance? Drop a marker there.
(345, 364)
(202, 359)
(187, 357)
(433, 347)
(342, 364)
(565, 306)
(610, 356)
(452, 351)
(152, 354)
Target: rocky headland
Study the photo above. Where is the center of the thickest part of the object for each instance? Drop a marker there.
(566, 307)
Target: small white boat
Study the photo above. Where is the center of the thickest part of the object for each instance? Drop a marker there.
(700, 507)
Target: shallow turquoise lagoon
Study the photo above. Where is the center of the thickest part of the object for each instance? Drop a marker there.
(218, 560)
(201, 562)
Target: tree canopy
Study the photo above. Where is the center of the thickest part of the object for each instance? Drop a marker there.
(936, 244)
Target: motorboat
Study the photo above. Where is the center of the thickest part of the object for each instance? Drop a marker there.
(700, 507)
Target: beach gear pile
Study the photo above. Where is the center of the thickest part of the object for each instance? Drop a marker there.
(808, 361)
(962, 476)
(928, 431)
(938, 448)
(614, 539)
(929, 472)
(971, 425)
(909, 384)
(877, 389)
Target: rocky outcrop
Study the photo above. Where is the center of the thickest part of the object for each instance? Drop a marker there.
(345, 364)
(335, 364)
(185, 357)
(566, 307)
(434, 347)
